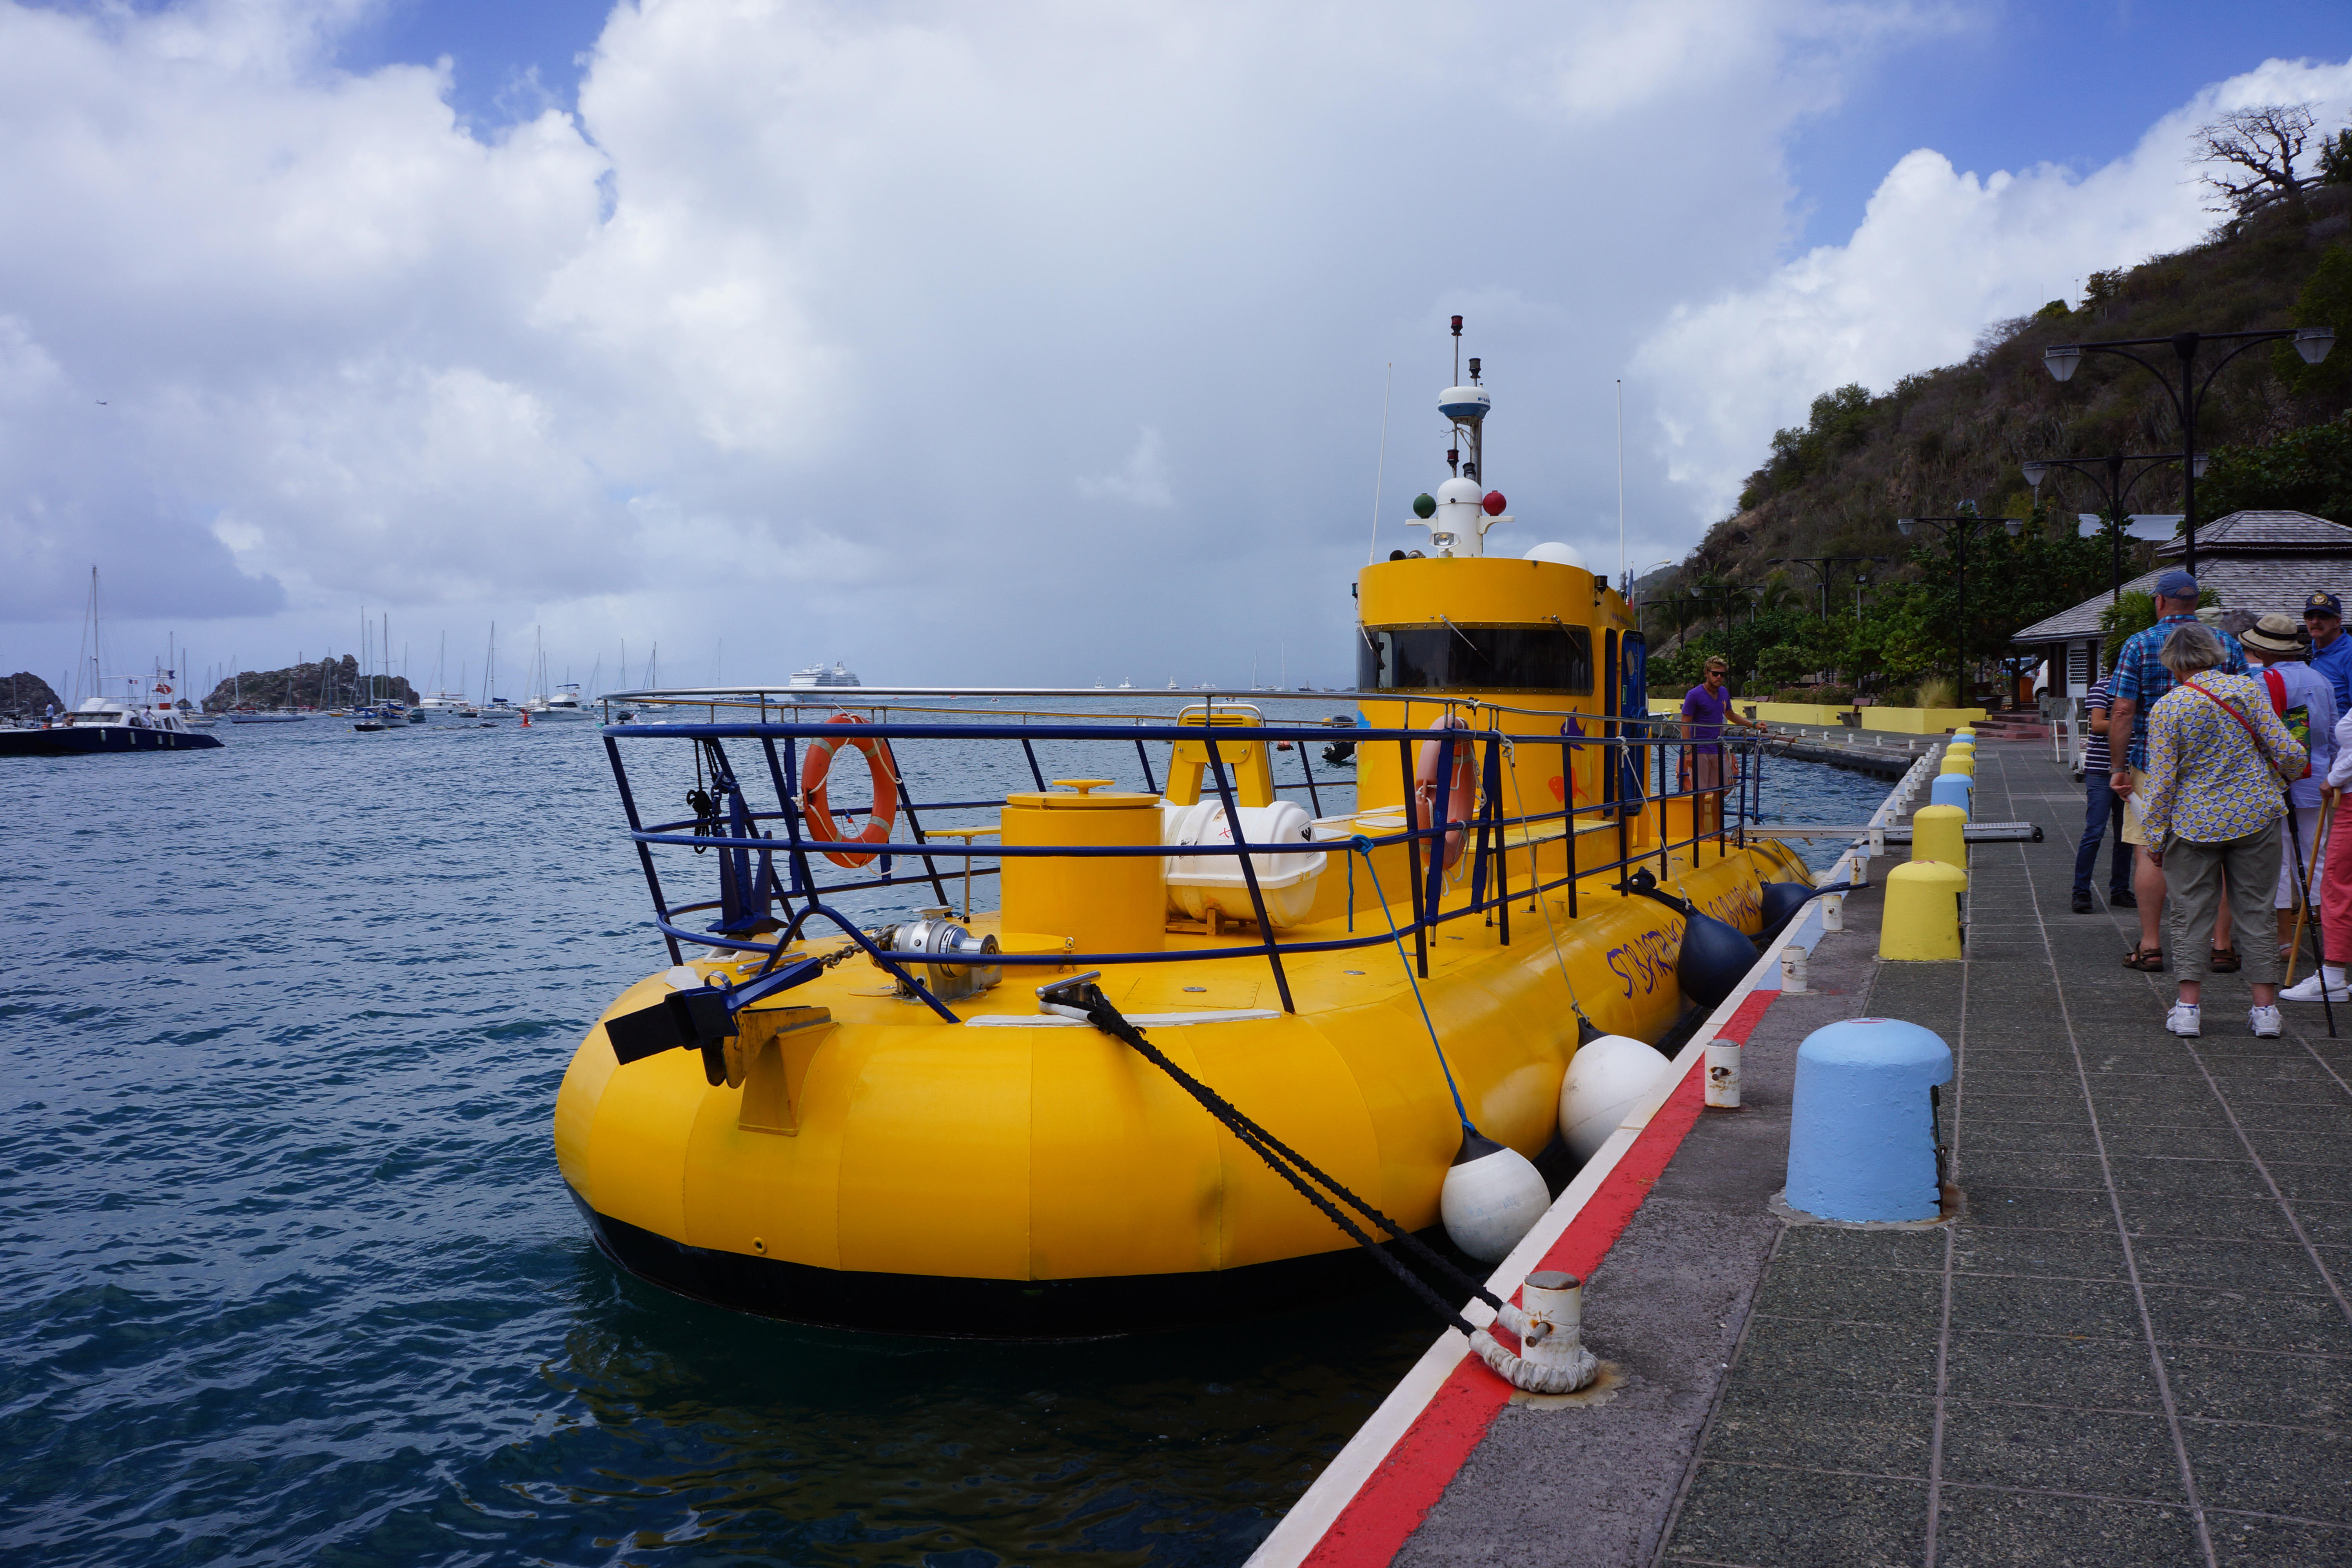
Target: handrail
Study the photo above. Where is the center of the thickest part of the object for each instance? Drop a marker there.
(751, 885)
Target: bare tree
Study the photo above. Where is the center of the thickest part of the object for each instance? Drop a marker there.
(2250, 156)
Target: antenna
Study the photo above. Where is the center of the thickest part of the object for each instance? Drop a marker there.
(1457, 349)
(1379, 471)
(1620, 485)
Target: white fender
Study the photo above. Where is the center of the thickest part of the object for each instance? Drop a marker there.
(1605, 1078)
(1492, 1197)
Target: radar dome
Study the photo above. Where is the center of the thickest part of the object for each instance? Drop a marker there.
(1464, 402)
(1556, 552)
(1460, 491)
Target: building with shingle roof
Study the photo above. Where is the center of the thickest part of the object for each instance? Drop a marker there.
(2259, 562)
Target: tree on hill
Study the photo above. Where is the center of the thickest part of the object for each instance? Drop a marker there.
(2250, 155)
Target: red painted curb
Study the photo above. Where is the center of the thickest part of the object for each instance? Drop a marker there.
(1391, 1503)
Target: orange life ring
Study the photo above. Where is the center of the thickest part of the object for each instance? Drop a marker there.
(1459, 797)
(818, 771)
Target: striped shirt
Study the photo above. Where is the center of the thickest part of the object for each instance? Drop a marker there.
(2095, 750)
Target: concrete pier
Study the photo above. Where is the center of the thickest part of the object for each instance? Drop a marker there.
(2128, 1340)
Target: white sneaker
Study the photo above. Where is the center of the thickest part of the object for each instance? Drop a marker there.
(2183, 1019)
(2266, 1020)
(2307, 990)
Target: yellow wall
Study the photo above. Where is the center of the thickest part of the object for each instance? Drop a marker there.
(1895, 721)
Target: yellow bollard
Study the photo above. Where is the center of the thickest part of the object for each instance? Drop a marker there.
(1921, 921)
(1962, 744)
(1958, 762)
(1938, 833)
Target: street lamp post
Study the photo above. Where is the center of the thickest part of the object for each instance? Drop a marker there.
(2117, 488)
(1964, 524)
(1821, 564)
(2063, 359)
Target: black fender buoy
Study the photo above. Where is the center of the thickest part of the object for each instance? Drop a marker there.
(1716, 955)
(1781, 903)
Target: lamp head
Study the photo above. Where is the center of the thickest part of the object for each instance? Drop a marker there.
(1903, 525)
(2198, 464)
(2061, 359)
(2036, 473)
(2016, 525)
(2313, 342)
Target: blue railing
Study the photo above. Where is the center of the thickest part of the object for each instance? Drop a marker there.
(770, 889)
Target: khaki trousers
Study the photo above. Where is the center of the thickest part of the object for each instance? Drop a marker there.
(2193, 875)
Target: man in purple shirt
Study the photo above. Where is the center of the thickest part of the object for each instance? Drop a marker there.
(1706, 708)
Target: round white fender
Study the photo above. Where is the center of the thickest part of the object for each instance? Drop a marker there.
(1493, 1196)
(1605, 1078)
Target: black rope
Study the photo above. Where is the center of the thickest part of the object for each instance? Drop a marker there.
(1107, 1019)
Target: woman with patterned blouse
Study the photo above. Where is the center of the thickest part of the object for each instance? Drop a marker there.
(2216, 754)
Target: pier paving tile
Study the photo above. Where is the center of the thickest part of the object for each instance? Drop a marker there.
(2297, 1470)
(2297, 1148)
(1880, 1358)
(2055, 1254)
(1838, 1247)
(2214, 1141)
(2254, 1385)
(1767, 1517)
(2240, 1541)
(2061, 1173)
(2112, 1452)
(2099, 1308)
(2228, 1265)
(2253, 1320)
(2053, 1369)
(2229, 1178)
(2328, 1224)
(1851, 1295)
(2329, 1183)
(2196, 1214)
(2039, 1208)
(1824, 1428)
(2031, 1138)
(1983, 1528)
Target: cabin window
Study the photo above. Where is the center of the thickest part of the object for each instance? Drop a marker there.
(1458, 657)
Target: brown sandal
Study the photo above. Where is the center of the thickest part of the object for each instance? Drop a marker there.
(2224, 961)
(2147, 960)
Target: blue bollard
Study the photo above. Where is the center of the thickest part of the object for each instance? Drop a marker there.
(1951, 789)
(1861, 1140)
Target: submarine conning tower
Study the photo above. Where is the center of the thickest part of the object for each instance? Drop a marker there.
(1449, 626)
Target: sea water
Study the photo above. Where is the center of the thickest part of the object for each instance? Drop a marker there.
(291, 1275)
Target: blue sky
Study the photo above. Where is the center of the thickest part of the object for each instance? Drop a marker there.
(833, 323)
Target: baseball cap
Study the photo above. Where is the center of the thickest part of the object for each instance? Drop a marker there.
(2324, 604)
(2176, 585)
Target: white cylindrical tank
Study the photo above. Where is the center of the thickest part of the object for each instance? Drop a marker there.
(1460, 513)
(1286, 879)
(1605, 1079)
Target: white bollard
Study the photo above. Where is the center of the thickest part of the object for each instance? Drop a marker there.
(1792, 970)
(1834, 912)
(1878, 842)
(1556, 1300)
(1722, 1076)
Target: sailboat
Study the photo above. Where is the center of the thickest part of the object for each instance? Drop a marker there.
(146, 720)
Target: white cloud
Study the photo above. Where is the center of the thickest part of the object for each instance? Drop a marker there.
(1939, 255)
(782, 332)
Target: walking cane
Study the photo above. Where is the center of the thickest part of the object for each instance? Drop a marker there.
(2294, 836)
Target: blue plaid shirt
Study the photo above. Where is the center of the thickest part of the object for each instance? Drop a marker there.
(2141, 678)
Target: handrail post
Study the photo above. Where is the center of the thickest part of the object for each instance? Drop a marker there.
(644, 852)
(1413, 856)
(1249, 867)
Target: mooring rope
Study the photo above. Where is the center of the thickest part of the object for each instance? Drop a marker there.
(1360, 845)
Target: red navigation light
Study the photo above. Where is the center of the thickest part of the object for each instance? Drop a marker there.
(1494, 503)
(1457, 326)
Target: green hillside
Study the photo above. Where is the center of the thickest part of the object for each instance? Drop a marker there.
(329, 683)
(2280, 433)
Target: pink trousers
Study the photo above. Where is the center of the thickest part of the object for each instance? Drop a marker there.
(2336, 905)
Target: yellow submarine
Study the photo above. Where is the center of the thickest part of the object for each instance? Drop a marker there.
(893, 1127)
